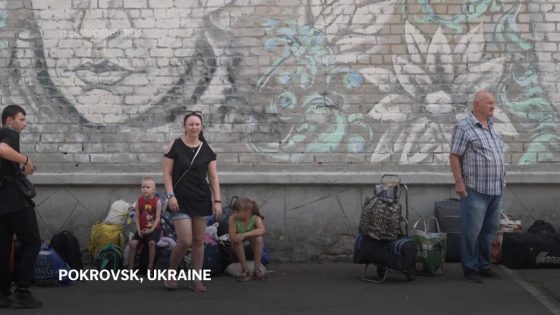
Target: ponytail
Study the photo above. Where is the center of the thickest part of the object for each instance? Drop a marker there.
(256, 209)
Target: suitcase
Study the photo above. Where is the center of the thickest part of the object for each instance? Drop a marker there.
(399, 255)
(524, 250)
(448, 215)
(212, 260)
(164, 256)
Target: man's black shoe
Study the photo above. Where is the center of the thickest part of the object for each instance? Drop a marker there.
(23, 298)
(4, 300)
(489, 273)
(473, 276)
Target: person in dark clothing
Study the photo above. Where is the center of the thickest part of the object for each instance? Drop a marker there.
(190, 195)
(17, 214)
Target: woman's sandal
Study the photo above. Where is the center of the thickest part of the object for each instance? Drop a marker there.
(259, 276)
(242, 277)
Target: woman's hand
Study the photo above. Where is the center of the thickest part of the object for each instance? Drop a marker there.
(217, 211)
(173, 204)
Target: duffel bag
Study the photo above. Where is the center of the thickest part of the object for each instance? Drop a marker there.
(524, 250)
(399, 254)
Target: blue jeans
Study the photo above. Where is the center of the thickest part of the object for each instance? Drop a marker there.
(480, 220)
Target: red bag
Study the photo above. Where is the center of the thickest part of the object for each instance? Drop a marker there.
(506, 225)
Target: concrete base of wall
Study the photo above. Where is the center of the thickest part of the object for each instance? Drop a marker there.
(304, 221)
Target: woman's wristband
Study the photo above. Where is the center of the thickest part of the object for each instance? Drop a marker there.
(26, 160)
(217, 201)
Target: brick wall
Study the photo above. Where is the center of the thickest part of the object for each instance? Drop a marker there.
(362, 82)
(289, 89)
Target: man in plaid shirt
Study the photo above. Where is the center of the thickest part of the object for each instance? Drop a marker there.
(477, 164)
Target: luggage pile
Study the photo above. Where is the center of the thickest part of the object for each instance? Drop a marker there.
(383, 241)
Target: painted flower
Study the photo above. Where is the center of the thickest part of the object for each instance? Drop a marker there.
(313, 75)
(435, 84)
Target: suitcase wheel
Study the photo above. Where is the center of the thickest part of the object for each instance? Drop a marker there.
(381, 271)
(410, 274)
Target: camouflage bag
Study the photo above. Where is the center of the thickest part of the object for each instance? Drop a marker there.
(381, 215)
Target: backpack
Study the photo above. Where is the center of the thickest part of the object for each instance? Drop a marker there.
(118, 212)
(541, 227)
(67, 246)
(47, 267)
(103, 234)
(109, 257)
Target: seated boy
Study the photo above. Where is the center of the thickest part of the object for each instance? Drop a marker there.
(148, 213)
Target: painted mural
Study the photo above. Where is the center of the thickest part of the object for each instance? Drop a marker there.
(385, 80)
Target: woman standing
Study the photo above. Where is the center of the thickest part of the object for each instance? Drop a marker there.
(188, 162)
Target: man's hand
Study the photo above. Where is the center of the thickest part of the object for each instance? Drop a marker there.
(27, 168)
(460, 189)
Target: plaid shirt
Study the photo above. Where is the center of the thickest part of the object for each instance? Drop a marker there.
(481, 151)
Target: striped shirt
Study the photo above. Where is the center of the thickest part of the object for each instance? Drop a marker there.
(482, 155)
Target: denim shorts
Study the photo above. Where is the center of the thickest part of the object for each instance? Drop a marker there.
(178, 216)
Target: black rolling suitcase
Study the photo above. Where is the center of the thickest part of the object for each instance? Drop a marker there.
(448, 215)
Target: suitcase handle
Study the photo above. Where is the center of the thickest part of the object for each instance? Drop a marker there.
(391, 178)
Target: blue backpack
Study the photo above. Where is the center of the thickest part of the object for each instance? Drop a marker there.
(110, 257)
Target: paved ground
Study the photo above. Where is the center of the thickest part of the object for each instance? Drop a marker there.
(315, 289)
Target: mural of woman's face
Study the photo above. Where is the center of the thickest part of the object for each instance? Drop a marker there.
(115, 62)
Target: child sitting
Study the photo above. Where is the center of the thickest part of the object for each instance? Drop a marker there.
(246, 227)
(148, 231)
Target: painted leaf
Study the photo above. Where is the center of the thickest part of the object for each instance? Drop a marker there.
(383, 79)
(503, 123)
(410, 76)
(387, 109)
(439, 57)
(417, 44)
(471, 46)
(369, 18)
(479, 77)
(334, 17)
